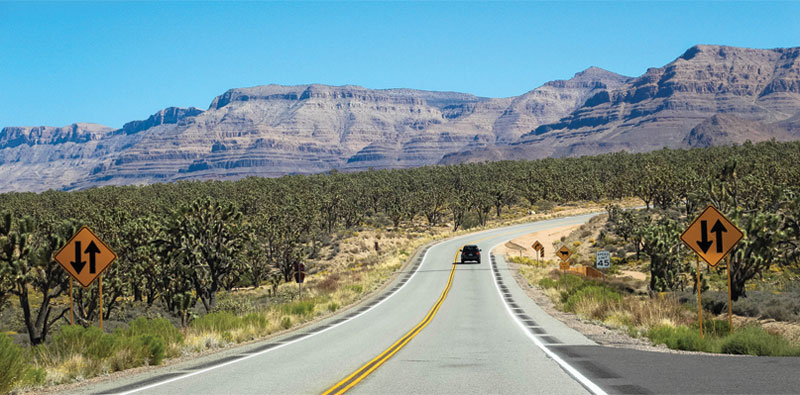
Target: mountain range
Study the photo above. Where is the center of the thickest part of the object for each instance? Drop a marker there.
(710, 95)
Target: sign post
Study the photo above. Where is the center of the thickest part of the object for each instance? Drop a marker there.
(537, 246)
(73, 258)
(100, 294)
(603, 262)
(712, 245)
(564, 253)
(299, 277)
(71, 312)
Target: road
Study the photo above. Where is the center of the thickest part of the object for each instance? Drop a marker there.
(445, 328)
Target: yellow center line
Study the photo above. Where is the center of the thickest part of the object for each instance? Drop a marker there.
(364, 371)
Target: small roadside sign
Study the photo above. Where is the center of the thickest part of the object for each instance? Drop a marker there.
(564, 253)
(563, 265)
(299, 273)
(541, 253)
(85, 256)
(711, 236)
(603, 259)
(537, 245)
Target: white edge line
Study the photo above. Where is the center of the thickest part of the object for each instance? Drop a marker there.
(588, 384)
(424, 258)
(391, 293)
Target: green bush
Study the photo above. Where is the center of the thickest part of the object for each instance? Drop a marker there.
(547, 282)
(160, 327)
(301, 307)
(333, 306)
(595, 292)
(12, 364)
(138, 345)
(679, 338)
(756, 341)
(224, 321)
(90, 342)
(717, 328)
(286, 322)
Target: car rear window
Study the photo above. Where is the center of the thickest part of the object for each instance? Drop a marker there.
(470, 248)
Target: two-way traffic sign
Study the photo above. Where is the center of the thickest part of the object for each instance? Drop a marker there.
(711, 236)
(85, 256)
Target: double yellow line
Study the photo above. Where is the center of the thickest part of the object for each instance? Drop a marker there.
(360, 374)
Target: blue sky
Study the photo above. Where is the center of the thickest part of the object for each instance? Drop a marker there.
(114, 62)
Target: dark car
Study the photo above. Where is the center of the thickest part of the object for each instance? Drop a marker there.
(470, 253)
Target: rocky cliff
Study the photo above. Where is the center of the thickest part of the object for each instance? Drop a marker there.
(710, 95)
(706, 87)
(275, 130)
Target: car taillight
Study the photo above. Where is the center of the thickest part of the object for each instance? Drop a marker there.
(478, 252)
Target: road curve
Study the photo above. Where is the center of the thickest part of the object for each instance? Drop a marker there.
(466, 329)
(471, 345)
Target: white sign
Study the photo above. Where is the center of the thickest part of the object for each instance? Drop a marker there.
(603, 260)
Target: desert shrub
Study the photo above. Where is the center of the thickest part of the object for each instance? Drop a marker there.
(89, 342)
(233, 304)
(222, 322)
(286, 322)
(754, 340)
(216, 322)
(133, 351)
(591, 293)
(333, 306)
(524, 260)
(679, 338)
(12, 364)
(470, 221)
(548, 282)
(301, 307)
(544, 206)
(159, 327)
(717, 328)
(357, 288)
(329, 283)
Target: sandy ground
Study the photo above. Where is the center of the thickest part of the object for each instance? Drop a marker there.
(633, 274)
(523, 243)
(596, 331)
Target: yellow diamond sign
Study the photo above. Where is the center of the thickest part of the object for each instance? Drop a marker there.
(85, 256)
(711, 236)
(564, 253)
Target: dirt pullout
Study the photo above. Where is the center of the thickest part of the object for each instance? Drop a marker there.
(546, 237)
(599, 333)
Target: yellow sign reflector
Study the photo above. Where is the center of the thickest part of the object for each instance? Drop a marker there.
(85, 256)
(711, 236)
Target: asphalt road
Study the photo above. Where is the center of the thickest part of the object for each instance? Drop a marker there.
(443, 328)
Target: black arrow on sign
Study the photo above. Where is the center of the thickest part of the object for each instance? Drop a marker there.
(92, 250)
(718, 228)
(78, 264)
(705, 243)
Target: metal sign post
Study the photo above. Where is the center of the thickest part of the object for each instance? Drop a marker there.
(299, 277)
(100, 292)
(730, 301)
(699, 298)
(71, 311)
(603, 262)
(564, 253)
